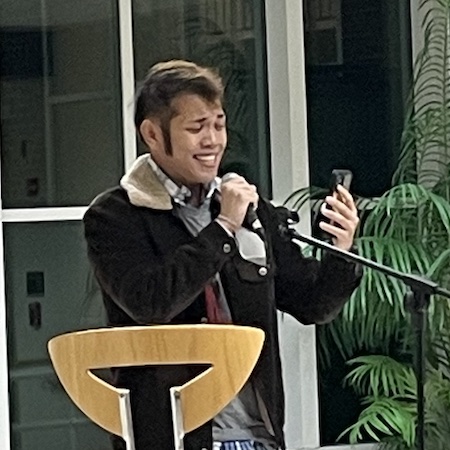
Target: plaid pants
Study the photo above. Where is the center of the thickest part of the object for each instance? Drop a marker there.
(239, 445)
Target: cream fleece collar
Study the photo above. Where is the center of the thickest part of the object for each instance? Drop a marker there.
(144, 189)
(143, 186)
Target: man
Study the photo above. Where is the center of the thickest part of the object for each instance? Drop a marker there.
(165, 250)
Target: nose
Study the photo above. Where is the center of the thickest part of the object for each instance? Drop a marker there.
(210, 137)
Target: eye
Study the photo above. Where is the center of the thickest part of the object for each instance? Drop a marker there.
(220, 126)
(194, 130)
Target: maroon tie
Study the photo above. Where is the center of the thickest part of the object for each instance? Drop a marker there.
(213, 311)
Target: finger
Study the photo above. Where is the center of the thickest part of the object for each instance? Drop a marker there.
(242, 191)
(234, 183)
(347, 210)
(238, 182)
(335, 205)
(346, 197)
(333, 229)
(340, 238)
(248, 192)
(341, 234)
(347, 222)
(254, 192)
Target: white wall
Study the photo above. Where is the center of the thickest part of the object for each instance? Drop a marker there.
(287, 110)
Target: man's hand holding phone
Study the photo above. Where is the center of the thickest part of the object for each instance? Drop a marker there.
(340, 210)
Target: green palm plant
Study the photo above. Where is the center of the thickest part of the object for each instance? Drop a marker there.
(388, 387)
(408, 228)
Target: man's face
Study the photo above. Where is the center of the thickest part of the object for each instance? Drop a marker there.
(198, 135)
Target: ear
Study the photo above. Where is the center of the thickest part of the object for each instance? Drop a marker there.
(151, 133)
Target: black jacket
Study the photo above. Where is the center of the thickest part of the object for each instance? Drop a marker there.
(152, 271)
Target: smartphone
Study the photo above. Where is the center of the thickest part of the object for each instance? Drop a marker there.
(341, 176)
(338, 176)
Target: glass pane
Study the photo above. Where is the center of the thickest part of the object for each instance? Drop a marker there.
(358, 56)
(60, 101)
(228, 35)
(49, 290)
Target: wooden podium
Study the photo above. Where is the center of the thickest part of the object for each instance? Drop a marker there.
(231, 350)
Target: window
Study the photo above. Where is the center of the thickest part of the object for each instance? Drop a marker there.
(358, 70)
(358, 55)
(66, 110)
(60, 110)
(228, 35)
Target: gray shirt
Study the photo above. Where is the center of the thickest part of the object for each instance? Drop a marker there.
(242, 418)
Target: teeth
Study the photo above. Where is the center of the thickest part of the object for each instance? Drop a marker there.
(207, 158)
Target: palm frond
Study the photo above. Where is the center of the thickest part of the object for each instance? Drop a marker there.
(302, 196)
(384, 417)
(375, 316)
(382, 376)
(427, 125)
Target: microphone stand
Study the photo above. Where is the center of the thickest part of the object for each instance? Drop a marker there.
(417, 302)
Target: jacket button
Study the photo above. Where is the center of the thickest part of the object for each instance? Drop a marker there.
(226, 248)
(204, 320)
(262, 271)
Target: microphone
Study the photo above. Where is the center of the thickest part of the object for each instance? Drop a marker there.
(251, 220)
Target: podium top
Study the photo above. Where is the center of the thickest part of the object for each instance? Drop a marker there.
(232, 351)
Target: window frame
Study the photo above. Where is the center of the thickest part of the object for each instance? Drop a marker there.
(289, 163)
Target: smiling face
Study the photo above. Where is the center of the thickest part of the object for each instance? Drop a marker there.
(198, 136)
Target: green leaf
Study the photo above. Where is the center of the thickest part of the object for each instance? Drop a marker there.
(383, 417)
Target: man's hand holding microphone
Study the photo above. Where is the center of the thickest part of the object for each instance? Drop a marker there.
(238, 202)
